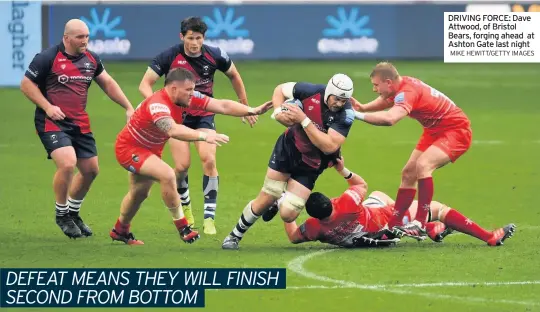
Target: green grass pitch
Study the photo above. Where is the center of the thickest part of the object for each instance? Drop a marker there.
(494, 183)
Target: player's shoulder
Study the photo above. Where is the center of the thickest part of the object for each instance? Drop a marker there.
(354, 192)
(172, 51)
(93, 55)
(49, 54)
(412, 84)
(216, 52)
(307, 87)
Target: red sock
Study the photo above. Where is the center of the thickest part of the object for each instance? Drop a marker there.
(404, 199)
(460, 223)
(120, 227)
(181, 223)
(425, 195)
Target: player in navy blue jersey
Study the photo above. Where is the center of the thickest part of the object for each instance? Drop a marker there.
(318, 125)
(57, 81)
(203, 61)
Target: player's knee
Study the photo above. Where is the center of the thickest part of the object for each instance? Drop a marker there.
(209, 163)
(291, 206)
(168, 178)
(180, 169)
(408, 174)
(140, 195)
(422, 166)
(67, 165)
(90, 174)
(273, 187)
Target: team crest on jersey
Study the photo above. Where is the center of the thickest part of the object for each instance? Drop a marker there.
(156, 108)
(400, 98)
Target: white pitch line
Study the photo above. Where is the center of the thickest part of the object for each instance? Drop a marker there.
(297, 265)
(425, 285)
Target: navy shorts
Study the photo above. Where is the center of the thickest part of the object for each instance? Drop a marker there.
(287, 159)
(199, 122)
(83, 143)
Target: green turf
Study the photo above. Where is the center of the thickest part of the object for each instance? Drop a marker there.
(494, 184)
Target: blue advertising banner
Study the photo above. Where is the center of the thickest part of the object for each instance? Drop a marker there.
(127, 287)
(264, 31)
(20, 34)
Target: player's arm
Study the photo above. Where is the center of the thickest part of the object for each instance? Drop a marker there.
(294, 234)
(35, 75)
(181, 132)
(386, 118)
(352, 178)
(240, 90)
(282, 93)
(147, 83)
(376, 105)
(329, 142)
(237, 83)
(157, 68)
(233, 108)
(114, 92)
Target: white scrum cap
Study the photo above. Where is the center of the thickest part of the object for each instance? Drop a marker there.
(339, 85)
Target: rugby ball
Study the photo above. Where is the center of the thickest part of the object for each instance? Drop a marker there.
(293, 102)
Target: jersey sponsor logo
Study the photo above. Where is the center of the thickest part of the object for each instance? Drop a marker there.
(156, 108)
(355, 197)
(109, 39)
(34, 73)
(336, 40)
(203, 81)
(63, 79)
(225, 32)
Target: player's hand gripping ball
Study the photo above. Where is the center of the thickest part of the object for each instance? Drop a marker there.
(292, 102)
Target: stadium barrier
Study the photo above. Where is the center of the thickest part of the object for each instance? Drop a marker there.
(245, 29)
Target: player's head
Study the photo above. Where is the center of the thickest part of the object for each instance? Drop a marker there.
(192, 31)
(180, 85)
(76, 35)
(385, 79)
(338, 91)
(319, 206)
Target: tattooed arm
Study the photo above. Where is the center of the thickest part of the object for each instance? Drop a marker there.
(183, 133)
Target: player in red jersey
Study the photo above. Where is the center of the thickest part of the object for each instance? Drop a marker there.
(447, 135)
(140, 144)
(353, 221)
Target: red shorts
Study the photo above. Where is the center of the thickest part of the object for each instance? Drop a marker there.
(131, 156)
(453, 143)
(378, 213)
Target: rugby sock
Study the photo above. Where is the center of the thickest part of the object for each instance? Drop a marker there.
(404, 199)
(121, 228)
(183, 190)
(61, 210)
(177, 213)
(459, 222)
(247, 219)
(74, 205)
(210, 191)
(425, 195)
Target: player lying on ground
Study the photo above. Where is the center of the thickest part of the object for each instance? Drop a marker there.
(312, 140)
(203, 61)
(447, 135)
(140, 144)
(351, 221)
